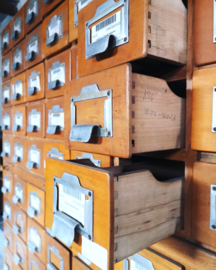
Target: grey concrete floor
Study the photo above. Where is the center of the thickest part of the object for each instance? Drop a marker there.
(1, 245)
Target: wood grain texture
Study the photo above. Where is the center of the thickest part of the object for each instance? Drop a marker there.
(32, 260)
(73, 31)
(8, 235)
(8, 202)
(8, 175)
(36, 20)
(169, 154)
(7, 57)
(48, 146)
(8, 139)
(19, 219)
(22, 98)
(7, 112)
(20, 110)
(21, 47)
(20, 14)
(6, 85)
(63, 42)
(8, 257)
(23, 185)
(23, 143)
(77, 264)
(7, 28)
(47, 8)
(21, 250)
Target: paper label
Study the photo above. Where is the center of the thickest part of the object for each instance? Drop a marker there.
(57, 119)
(17, 88)
(17, 26)
(6, 120)
(35, 237)
(18, 57)
(83, 3)
(56, 156)
(72, 203)
(6, 93)
(57, 74)
(33, 47)
(6, 66)
(35, 156)
(7, 184)
(35, 120)
(35, 202)
(54, 28)
(19, 192)
(18, 120)
(7, 148)
(111, 25)
(7, 209)
(18, 151)
(5, 38)
(35, 82)
(32, 8)
(95, 253)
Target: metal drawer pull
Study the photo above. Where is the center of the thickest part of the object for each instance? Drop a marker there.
(31, 212)
(16, 96)
(31, 91)
(31, 128)
(5, 100)
(16, 128)
(16, 259)
(31, 247)
(15, 159)
(4, 46)
(90, 156)
(30, 56)
(6, 242)
(15, 66)
(4, 73)
(15, 199)
(5, 127)
(16, 229)
(14, 35)
(30, 18)
(52, 39)
(54, 84)
(4, 190)
(30, 165)
(46, 1)
(52, 129)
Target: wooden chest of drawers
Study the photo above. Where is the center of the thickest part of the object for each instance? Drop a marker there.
(18, 85)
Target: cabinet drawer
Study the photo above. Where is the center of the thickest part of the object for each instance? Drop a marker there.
(56, 150)
(114, 189)
(36, 203)
(49, 5)
(34, 263)
(109, 33)
(8, 236)
(19, 120)
(36, 239)
(34, 47)
(19, 151)
(18, 85)
(103, 111)
(18, 58)
(35, 157)
(5, 39)
(20, 193)
(55, 118)
(20, 256)
(19, 223)
(55, 30)
(7, 188)
(57, 73)
(35, 83)
(36, 119)
(32, 14)
(6, 94)
(8, 211)
(6, 121)
(6, 66)
(78, 264)
(17, 27)
(8, 259)
(57, 255)
(7, 154)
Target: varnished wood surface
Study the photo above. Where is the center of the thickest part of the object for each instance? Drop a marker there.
(20, 14)
(47, 8)
(21, 252)
(77, 264)
(9, 202)
(19, 220)
(34, 259)
(23, 142)
(36, 20)
(8, 257)
(21, 46)
(22, 78)
(22, 110)
(73, 30)
(10, 176)
(48, 146)
(7, 84)
(9, 235)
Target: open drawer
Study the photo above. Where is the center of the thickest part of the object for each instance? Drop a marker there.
(116, 211)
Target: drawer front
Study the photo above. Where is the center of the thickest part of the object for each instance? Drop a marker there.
(7, 146)
(5, 39)
(32, 14)
(56, 150)
(19, 120)
(6, 94)
(36, 203)
(18, 58)
(35, 157)
(48, 6)
(17, 27)
(7, 188)
(57, 73)
(8, 211)
(35, 83)
(20, 256)
(34, 46)
(55, 118)
(18, 89)
(8, 237)
(20, 193)
(36, 119)
(55, 30)
(19, 152)
(36, 240)
(6, 66)
(8, 259)
(19, 223)
(34, 263)
(57, 256)
(6, 121)
(78, 264)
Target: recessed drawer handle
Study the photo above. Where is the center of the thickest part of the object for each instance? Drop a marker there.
(30, 56)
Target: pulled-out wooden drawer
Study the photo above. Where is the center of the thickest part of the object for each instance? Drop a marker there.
(6, 43)
(8, 211)
(56, 150)
(76, 193)
(32, 14)
(7, 259)
(7, 187)
(36, 203)
(17, 27)
(20, 222)
(49, 5)
(56, 30)
(122, 115)
(18, 58)
(19, 120)
(20, 256)
(19, 151)
(8, 236)
(34, 47)
(35, 83)
(18, 85)
(78, 264)
(36, 240)
(6, 94)
(20, 193)
(57, 73)
(7, 152)
(35, 157)
(55, 118)
(115, 32)
(34, 263)
(57, 256)
(6, 66)
(6, 121)
(36, 119)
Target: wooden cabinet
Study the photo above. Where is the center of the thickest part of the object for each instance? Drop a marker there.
(8, 211)
(55, 118)
(5, 39)
(7, 259)
(19, 120)
(35, 83)
(6, 94)
(18, 85)
(18, 58)
(32, 14)
(111, 33)
(34, 262)
(34, 47)
(6, 66)
(8, 236)
(20, 193)
(56, 30)
(7, 187)
(49, 5)
(7, 144)
(36, 119)
(19, 222)
(6, 121)
(56, 150)
(20, 257)
(57, 73)
(112, 227)
(17, 27)
(122, 115)
(19, 151)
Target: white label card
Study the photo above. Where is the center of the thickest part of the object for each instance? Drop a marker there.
(35, 82)
(6, 93)
(19, 192)
(7, 148)
(18, 57)
(32, 8)
(33, 47)
(35, 156)
(17, 26)
(6, 38)
(56, 156)
(35, 120)
(6, 66)
(54, 28)
(57, 119)
(83, 3)
(6, 120)
(35, 202)
(7, 209)
(19, 120)
(57, 74)
(72, 203)
(111, 25)
(35, 237)
(7, 184)
(17, 88)
(18, 151)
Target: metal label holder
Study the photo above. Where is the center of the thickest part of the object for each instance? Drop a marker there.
(16, 127)
(33, 128)
(5, 44)
(5, 266)
(54, 153)
(31, 210)
(5, 127)
(16, 65)
(83, 133)
(32, 247)
(5, 153)
(5, 214)
(51, 129)
(32, 90)
(31, 16)
(140, 260)
(15, 95)
(7, 242)
(5, 100)
(32, 54)
(213, 207)
(50, 40)
(54, 250)
(59, 82)
(109, 41)
(17, 158)
(17, 229)
(90, 156)
(76, 10)
(32, 164)
(17, 259)
(5, 72)
(5, 189)
(16, 33)
(17, 198)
